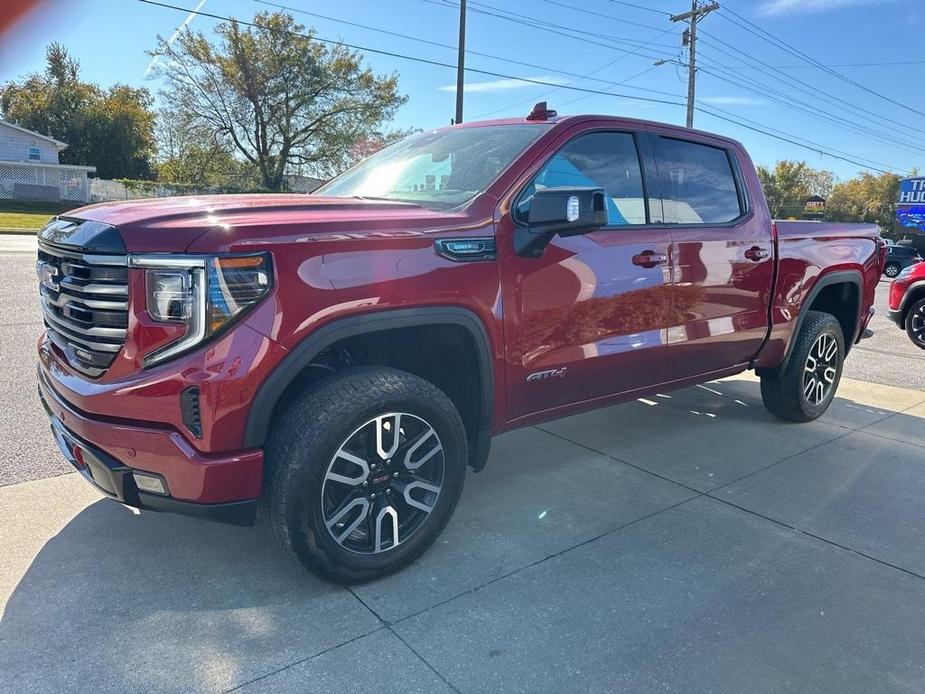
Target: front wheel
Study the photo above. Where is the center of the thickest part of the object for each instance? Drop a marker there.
(891, 270)
(363, 471)
(803, 390)
(915, 323)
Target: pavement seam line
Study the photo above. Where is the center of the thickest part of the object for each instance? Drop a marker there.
(618, 460)
(388, 625)
(424, 660)
(525, 567)
(808, 533)
(303, 660)
(884, 437)
(847, 432)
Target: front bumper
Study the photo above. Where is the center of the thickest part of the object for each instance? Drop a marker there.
(896, 316)
(219, 488)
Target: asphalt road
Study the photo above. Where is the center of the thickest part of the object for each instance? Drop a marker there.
(684, 543)
(887, 358)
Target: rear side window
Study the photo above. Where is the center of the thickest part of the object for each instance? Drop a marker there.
(603, 160)
(699, 186)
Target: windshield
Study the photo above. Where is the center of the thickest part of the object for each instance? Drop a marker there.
(439, 169)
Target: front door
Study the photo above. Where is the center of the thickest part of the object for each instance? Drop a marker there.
(722, 256)
(586, 319)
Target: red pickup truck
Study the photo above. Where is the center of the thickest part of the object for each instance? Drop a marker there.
(338, 360)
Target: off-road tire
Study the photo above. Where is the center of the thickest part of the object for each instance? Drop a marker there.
(914, 315)
(782, 388)
(309, 432)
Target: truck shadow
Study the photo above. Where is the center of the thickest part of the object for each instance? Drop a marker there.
(117, 600)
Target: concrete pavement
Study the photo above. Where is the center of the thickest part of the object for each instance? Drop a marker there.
(685, 542)
(688, 545)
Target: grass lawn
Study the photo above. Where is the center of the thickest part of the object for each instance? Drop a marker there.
(27, 217)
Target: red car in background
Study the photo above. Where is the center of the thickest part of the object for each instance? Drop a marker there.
(907, 302)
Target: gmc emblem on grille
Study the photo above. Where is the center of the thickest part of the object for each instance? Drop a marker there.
(48, 274)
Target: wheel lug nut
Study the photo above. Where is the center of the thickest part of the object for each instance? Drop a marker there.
(388, 491)
(394, 474)
(365, 483)
(372, 496)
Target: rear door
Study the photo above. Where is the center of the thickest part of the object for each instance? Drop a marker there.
(586, 318)
(722, 258)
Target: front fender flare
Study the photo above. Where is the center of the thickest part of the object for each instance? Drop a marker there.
(272, 389)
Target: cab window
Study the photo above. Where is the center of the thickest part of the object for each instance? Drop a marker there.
(602, 160)
(698, 183)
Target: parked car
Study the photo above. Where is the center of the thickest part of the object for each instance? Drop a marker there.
(898, 258)
(339, 359)
(907, 302)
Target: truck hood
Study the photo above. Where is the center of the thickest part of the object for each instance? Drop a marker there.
(173, 224)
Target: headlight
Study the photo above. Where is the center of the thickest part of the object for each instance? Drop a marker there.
(205, 293)
(906, 272)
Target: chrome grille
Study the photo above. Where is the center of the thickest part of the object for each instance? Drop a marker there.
(85, 305)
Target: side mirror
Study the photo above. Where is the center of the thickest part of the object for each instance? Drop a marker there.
(562, 211)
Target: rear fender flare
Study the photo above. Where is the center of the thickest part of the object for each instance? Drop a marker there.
(838, 277)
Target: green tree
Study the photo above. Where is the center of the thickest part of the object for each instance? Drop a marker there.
(869, 198)
(189, 154)
(790, 183)
(279, 97)
(112, 129)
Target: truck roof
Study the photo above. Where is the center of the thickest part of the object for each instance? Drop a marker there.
(621, 121)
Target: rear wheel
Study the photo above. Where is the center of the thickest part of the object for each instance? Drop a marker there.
(915, 323)
(804, 389)
(891, 270)
(363, 472)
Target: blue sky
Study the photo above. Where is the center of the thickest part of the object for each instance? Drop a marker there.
(610, 42)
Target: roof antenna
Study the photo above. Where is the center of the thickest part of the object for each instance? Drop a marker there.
(540, 112)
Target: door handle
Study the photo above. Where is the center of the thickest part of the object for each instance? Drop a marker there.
(650, 259)
(755, 253)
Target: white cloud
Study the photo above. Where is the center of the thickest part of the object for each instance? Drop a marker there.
(780, 7)
(733, 101)
(503, 85)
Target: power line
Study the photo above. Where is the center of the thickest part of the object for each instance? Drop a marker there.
(490, 56)
(427, 61)
(807, 67)
(819, 151)
(788, 101)
(417, 59)
(814, 90)
(808, 144)
(756, 30)
(540, 97)
(584, 11)
(491, 11)
(640, 7)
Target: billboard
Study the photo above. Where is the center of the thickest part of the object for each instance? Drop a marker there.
(910, 208)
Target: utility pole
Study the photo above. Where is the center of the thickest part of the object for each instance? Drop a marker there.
(461, 62)
(690, 39)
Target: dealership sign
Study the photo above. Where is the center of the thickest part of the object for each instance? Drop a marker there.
(814, 207)
(910, 208)
(912, 191)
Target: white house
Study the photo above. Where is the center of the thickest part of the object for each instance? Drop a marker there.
(29, 168)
